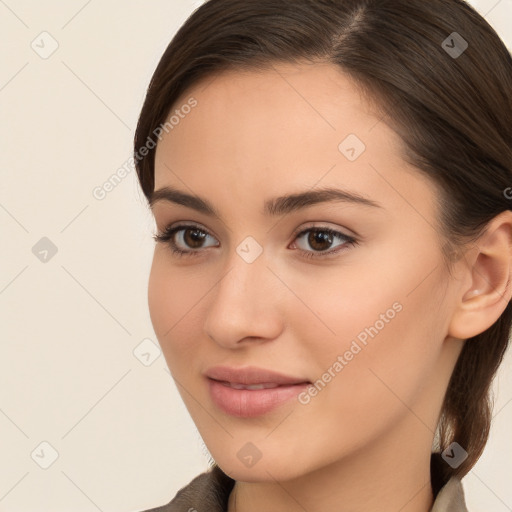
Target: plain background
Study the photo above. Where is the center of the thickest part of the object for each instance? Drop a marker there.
(90, 418)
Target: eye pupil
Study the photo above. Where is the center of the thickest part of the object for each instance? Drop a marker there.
(321, 237)
(195, 240)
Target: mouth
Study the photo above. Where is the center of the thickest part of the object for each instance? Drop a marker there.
(249, 392)
(255, 387)
(252, 376)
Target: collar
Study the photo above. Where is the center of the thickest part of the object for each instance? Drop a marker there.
(450, 498)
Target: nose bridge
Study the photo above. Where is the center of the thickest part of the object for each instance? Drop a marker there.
(247, 270)
(244, 300)
(242, 287)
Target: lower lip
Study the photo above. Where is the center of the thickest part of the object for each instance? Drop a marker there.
(248, 403)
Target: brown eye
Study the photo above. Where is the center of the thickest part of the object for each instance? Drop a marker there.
(193, 237)
(321, 239)
(184, 240)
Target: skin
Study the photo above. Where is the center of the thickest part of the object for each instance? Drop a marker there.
(363, 443)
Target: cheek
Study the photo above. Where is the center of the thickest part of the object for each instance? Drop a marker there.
(171, 301)
(159, 298)
(387, 331)
(351, 303)
(390, 288)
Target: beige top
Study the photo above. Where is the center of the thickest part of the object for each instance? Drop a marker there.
(450, 498)
(209, 492)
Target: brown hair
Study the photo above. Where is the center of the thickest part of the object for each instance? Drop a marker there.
(453, 113)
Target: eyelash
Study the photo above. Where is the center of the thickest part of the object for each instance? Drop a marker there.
(168, 235)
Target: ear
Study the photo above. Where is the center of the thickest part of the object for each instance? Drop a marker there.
(488, 273)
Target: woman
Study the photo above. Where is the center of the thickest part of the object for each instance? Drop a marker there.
(331, 280)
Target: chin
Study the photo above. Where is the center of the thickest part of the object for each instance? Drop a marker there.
(266, 469)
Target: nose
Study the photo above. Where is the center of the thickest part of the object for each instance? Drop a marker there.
(244, 305)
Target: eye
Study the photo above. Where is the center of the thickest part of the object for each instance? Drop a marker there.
(189, 236)
(320, 238)
(192, 237)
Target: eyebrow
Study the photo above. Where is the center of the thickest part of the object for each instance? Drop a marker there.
(272, 207)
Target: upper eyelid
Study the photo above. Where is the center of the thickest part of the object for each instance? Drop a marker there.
(315, 225)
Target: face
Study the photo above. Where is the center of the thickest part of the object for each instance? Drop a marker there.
(344, 293)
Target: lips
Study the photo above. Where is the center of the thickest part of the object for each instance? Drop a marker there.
(250, 392)
(252, 376)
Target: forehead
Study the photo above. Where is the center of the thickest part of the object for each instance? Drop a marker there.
(270, 131)
(300, 100)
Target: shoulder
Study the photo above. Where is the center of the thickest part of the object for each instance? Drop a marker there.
(208, 491)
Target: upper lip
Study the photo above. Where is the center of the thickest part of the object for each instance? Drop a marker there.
(251, 375)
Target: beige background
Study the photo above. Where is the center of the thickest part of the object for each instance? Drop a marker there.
(82, 379)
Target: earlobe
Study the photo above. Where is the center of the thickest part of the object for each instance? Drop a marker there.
(481, 304)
